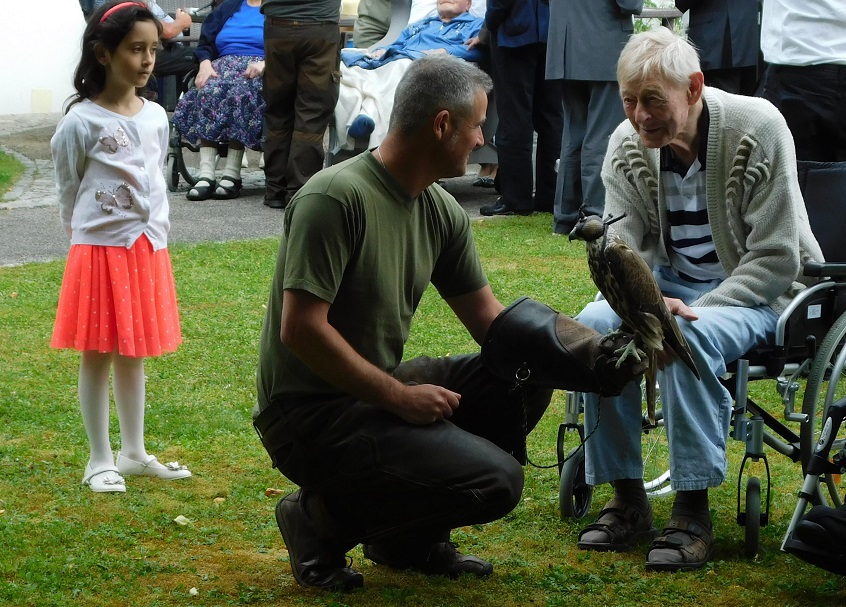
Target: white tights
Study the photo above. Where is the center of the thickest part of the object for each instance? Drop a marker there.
(129, 391)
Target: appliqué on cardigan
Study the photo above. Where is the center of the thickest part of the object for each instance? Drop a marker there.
(113, 142)
(120, 198)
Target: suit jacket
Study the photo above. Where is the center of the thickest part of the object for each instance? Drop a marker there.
(586, 37)
(726, 32)
(518, 22)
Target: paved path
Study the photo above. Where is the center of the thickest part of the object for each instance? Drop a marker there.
(29, 223)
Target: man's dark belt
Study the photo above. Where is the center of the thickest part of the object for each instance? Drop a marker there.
(833, 68)
(293, 23)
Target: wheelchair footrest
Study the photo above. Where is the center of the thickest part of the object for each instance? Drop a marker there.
(835, 563)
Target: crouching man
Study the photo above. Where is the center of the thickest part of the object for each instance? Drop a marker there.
(392, 454)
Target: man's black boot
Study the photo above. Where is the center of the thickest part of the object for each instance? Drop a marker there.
(443, 559)
(315, 562)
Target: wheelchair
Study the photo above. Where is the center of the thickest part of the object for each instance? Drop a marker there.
(340, 148)
(183, 160)
(183, 156)
(807, 352)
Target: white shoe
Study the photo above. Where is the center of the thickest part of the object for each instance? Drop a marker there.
(245, 164)
(152, 467)
(261, 161)
(106, 480)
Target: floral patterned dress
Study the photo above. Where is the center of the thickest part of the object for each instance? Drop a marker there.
(228, 108)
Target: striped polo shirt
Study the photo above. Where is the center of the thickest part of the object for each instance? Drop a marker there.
(691, 246)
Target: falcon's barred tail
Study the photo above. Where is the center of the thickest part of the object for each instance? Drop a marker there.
(675, 341)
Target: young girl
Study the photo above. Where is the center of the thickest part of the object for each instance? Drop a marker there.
(117, 303)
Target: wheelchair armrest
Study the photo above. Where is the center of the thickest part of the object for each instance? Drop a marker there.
(835, 270)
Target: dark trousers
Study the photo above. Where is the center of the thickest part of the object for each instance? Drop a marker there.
(301, 83)
(369, 477)
(811, 99)
(527, 103)
(592, 110)
(737, 80)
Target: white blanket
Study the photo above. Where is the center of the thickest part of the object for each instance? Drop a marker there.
(368, 92)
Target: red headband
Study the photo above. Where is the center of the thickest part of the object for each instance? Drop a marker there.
(121, 5)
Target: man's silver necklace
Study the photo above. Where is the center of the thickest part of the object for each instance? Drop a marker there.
(381, 161)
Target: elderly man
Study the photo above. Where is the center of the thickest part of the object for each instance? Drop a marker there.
(368, 78)
(705, 183)
(387, 453)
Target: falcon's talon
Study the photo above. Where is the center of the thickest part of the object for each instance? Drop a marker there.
(630, 349)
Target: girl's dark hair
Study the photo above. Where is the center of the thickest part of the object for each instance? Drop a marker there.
(90, 76)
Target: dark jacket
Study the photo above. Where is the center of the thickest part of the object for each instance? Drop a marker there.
(587, 36)
(206, 47)
(725, 32)
(518, 22)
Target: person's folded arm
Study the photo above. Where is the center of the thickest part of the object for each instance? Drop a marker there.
(306, 331)
(181, 22)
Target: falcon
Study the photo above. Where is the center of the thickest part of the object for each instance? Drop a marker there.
(627, 283)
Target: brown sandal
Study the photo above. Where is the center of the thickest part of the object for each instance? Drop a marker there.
(624, 526)
(692, 541)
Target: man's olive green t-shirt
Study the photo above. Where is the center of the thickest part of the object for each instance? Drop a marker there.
(303, 10)
(354, 238)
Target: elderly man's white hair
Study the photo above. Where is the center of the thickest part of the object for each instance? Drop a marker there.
(657, 53)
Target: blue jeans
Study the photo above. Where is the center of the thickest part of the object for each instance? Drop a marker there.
(697, 414)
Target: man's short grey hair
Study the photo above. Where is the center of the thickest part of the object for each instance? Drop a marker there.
(432, 84)
(657, 53)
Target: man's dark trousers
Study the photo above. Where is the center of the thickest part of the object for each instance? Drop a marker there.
(371, 477)
(527, 103)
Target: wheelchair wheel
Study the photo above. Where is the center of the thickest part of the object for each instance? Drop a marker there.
(188, 163)
(574, 494)
(656, 455)
(752, 526)
(172, 172)
(826, 384)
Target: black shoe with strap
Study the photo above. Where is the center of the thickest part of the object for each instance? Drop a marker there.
(315, 562)
(443, 559)
(500, 207)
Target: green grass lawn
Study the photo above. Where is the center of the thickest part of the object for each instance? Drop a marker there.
(61, 544)
(10, 170)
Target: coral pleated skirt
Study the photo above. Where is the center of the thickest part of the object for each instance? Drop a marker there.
(115, 299)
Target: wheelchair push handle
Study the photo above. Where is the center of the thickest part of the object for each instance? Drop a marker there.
(834, 269)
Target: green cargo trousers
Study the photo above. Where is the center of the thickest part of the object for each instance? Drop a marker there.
(301, 81)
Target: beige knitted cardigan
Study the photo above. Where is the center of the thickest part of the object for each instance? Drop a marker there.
(757, 215)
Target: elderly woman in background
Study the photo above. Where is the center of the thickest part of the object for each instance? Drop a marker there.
(227, 103)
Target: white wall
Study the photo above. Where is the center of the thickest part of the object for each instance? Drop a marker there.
(39, 51)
